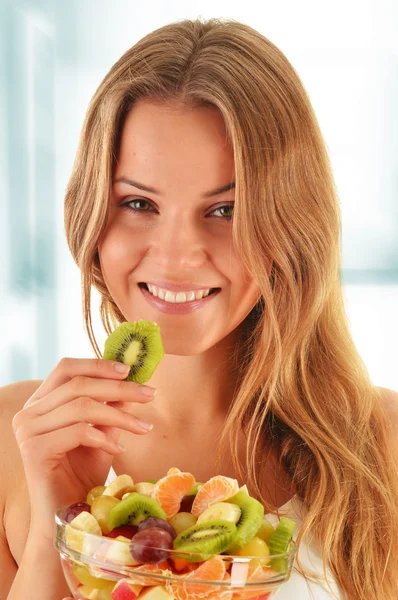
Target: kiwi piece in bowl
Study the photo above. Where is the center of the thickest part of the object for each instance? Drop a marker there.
(134, 509)
(137, 344)
(251, 518)
(204, 540)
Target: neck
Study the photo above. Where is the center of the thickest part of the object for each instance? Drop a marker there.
(194, 389)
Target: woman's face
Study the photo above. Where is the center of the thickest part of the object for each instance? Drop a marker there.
(177, 241)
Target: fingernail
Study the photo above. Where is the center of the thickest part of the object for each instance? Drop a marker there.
(121, 368)
(145, 425)
(121, 447)
(145, 390)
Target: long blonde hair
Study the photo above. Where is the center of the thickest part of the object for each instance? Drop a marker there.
(303, 386)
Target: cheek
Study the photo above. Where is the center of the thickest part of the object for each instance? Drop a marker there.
(118, 254)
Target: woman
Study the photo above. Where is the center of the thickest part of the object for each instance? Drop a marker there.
(197, 123)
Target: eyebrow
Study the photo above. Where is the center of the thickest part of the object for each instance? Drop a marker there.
(151, 190)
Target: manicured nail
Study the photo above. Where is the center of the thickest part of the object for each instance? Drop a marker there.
(146, 390)
(121, 447)
(121, 368)
(144, 425)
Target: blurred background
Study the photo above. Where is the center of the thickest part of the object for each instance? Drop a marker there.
(54, 54)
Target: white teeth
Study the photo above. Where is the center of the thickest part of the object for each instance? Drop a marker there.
(177, 297)
(170, 297)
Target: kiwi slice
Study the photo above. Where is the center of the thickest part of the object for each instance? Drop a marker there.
(205, 540)
(194, 490)
(251, 518)
(280, 542)
(134, 509)
(137, 344)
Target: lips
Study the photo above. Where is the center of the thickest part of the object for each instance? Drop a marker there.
(177, 306)
(177, 297)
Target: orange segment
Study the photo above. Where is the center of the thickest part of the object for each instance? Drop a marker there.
(162, 568)
(216, 489)
(257, 574)
(170, 490)
(211, 570)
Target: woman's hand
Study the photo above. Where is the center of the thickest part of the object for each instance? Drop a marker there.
(63, 455)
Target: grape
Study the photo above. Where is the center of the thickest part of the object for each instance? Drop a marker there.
(156, 522)
(100, 509)
(150, 545)
(94, 493)
(186, 503)
(127, 531)
(75, 509)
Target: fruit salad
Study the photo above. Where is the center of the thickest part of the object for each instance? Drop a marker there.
(174, 538)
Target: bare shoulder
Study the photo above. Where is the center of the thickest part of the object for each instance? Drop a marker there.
(12, 400)
(14, 395)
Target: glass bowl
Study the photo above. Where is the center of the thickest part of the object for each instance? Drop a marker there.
(102, 568)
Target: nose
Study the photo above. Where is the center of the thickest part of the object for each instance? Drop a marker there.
(178, 244)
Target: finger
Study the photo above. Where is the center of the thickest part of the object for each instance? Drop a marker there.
(80, 410)
(67, 368)
(49, 449)
(102, 390)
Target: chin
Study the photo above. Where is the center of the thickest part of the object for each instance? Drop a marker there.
(186, 346)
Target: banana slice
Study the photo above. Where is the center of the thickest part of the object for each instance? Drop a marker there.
(120, 553)
(119, 487)
(76, 529)
(221, 510)
(145, 488)
(126, 495)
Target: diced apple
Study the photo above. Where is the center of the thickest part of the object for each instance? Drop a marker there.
(124, 590)
(158, 592)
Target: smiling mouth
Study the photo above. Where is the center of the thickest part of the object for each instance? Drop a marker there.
(177, 297)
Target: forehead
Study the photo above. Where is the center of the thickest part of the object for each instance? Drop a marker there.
(159, 140)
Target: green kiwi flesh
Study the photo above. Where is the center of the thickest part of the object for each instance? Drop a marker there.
(137, 344)
(205, 540)
(280, 542)
(134, 509)
(250, 520)
(194, 490)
